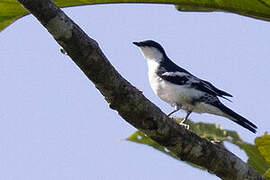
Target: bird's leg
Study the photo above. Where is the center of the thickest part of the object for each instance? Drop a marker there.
(176, 108)
(182, 122)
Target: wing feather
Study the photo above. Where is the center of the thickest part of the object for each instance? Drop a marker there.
(183, 78)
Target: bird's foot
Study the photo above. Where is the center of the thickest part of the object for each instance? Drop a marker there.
(186, 126)
(177, 107)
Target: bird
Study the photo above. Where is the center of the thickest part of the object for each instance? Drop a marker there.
(182, 90)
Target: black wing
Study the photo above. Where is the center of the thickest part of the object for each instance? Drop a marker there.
(176, 77)
(183, 78)
(222, 93)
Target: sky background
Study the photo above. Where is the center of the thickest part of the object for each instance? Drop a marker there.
(55, 125)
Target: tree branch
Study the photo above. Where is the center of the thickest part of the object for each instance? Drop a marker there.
(130, 103)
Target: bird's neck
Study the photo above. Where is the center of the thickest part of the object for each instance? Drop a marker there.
(153, 66)
(155, 58)
(154, 54)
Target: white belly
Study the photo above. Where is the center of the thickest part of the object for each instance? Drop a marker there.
(178, 95)
(174, 94)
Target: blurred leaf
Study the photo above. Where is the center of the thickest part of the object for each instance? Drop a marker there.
(217, 135)
(141, 138)
(211, 132)
(253, 8)
(11, 10)
(263, 145)
(255, 160)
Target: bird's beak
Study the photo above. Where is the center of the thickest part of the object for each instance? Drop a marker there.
(137, 44)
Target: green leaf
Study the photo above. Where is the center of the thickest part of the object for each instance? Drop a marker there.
(255, 160)
(11, 10)
(259, 9)
(218, 135)
(211, 132)
(141, 138)
(263, 145)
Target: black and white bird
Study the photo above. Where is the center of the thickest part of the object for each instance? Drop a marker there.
(182, 90)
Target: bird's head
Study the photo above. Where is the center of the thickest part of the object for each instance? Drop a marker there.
(151, 50)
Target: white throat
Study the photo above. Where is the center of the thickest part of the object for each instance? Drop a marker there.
(152, 66)
(151, 53)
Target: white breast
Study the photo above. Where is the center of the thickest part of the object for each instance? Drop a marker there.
(168, 92)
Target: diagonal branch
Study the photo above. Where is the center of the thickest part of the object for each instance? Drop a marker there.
(130, 103)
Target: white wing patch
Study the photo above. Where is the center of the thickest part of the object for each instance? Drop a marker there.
(181, 74)
(191, 79)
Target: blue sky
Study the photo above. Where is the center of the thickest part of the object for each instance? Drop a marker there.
(54, 124)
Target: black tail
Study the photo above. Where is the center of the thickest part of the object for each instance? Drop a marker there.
(237, 118)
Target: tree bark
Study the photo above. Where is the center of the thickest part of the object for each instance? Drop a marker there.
(129, 102)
